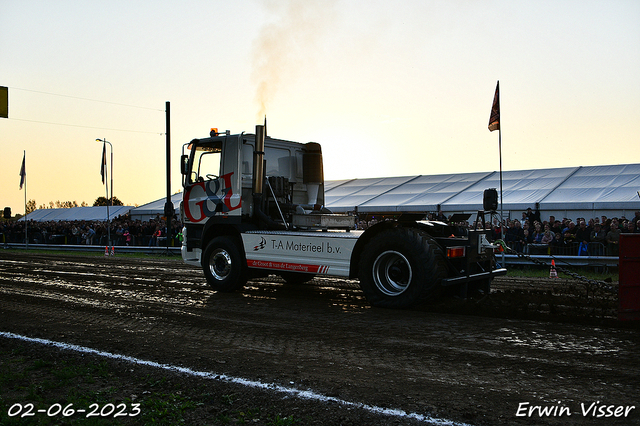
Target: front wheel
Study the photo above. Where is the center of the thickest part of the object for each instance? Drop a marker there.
(401, 267)
(223, 265)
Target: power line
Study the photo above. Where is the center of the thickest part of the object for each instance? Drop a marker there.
(89, 100)
(86, 99)
(87, 127)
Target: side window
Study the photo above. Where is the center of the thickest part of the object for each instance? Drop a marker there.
(279, 162)
(206, 166)
(247, 159)
(209, 166)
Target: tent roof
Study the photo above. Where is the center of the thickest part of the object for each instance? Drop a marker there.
(611, 187)
(359, 191)
(98, 213)
(157, 207)
(604, 187)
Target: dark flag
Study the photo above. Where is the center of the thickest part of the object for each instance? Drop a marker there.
(23, 171)
(103, 165)
(494, 120)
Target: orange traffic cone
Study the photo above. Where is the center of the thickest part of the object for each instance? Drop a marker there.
(113, 251)
(552, 271)
(106, 250)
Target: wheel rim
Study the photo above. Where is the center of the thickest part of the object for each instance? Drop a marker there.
(392, 273)
(220, 264)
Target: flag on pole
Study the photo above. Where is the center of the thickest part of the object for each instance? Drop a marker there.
(494, 119)
(103, 165)
(23, 171)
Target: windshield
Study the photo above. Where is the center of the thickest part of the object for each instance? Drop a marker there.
(205, 161)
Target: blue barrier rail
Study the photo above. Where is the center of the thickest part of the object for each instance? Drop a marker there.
(510, 259)
(591, 261)
(95, 248)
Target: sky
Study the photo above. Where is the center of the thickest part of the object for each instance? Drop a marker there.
(387, 88)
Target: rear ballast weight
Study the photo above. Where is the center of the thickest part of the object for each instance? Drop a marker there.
(254, 205)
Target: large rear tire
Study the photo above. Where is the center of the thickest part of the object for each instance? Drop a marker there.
(223, 265)
(401, 267)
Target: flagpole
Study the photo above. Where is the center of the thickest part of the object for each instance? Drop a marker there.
(502, 221)
(106, 188)
(495, 124)
(26, 222)
(501, 200)
(105, 180)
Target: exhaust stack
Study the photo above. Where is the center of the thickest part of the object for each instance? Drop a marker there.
(313, 175)
(258, 160)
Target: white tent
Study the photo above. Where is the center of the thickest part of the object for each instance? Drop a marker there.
(589, 191)
(88, 214)
(156, 208)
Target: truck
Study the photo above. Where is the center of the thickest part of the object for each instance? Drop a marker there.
(254, 205)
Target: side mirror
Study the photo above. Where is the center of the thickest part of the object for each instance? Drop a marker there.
(184, 161)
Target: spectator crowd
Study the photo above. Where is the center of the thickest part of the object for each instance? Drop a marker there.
(123, 231)
(531, 235)
(592, 237)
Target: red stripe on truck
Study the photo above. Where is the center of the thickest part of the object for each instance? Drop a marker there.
(284, 266)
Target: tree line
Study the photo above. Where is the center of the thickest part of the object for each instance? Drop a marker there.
(100, 201)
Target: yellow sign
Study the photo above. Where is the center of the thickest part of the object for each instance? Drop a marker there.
(4, 102)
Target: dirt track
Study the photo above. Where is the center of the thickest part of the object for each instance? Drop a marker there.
(324, 337)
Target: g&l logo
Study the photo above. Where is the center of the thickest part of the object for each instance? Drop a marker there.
(205, 199)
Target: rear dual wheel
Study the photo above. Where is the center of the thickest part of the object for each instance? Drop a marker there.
(401, 267)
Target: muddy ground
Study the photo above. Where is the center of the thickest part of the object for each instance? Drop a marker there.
(479, 362)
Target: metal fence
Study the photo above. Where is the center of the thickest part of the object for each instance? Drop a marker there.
(95, 248)
(595, 255)
(572, 249)
(37, 238)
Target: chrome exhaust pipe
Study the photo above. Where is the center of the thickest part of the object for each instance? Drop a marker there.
(258, 160)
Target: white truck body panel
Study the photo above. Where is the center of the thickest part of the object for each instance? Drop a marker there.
(322, 253)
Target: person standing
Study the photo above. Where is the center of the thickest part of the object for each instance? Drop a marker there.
(532, 216)
(598, 239)
(583, 235)
(613, 239)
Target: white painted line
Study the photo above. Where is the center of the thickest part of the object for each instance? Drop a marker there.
(302, 394)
